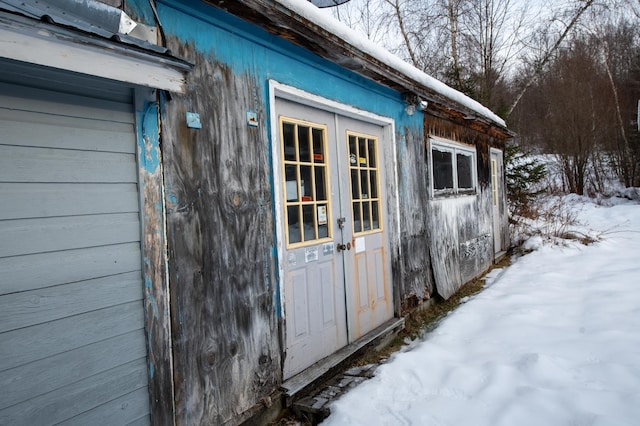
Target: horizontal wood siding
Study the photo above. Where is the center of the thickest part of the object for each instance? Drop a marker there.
(72, 342)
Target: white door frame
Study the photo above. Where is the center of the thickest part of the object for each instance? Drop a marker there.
(283, 91)
(499, 189)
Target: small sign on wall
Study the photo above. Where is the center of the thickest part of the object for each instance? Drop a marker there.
(252, 119)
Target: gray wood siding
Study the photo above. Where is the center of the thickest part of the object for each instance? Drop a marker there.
(72, 341)
(220, 232)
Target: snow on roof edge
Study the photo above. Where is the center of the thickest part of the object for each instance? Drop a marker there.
(313, 14)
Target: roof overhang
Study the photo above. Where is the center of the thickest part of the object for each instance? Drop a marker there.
(277, 19)
(34, 41)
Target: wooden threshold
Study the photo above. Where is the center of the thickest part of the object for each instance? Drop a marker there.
(305, 381)
(499, 255)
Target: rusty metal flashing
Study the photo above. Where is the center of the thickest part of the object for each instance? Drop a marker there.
(283, 22)
(91, 23)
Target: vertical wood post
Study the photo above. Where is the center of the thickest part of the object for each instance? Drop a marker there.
(154, 267)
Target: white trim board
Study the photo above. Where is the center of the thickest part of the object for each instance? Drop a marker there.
(40, 44)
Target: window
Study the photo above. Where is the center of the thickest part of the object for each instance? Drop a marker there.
(365, 191)
(453, 168)
(306, 181)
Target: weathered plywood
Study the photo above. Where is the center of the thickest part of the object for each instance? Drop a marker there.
(415, 281)
(220, 230)
(461, 226)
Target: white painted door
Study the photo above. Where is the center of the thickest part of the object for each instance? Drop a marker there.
(366, 263)
(335, 270)
(496, 198)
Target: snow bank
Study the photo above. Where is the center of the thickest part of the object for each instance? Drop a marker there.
(359, 41)
(555, 340)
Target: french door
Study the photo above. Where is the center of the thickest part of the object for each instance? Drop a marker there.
(336, 269)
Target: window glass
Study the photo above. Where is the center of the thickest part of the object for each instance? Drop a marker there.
(442, 169)
(464, 169)
(307, 207)
(453, 168)
(364, 172)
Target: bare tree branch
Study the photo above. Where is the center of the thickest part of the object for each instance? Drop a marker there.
(540, 66)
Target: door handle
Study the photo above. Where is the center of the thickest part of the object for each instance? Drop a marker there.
(342, 247)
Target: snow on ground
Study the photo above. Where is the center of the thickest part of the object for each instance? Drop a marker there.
(554, 339)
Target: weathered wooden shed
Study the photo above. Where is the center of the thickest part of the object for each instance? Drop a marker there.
(204, 205)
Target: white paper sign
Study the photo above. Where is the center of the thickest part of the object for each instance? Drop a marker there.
(360, 245)
(322, 215)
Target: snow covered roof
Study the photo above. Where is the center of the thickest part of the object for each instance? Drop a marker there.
(360, 42)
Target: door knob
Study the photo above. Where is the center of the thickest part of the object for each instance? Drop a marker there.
(341, 247)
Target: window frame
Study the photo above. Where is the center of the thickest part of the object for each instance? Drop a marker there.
(455, 148)
(299, 203)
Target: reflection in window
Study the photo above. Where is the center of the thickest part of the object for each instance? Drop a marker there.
(365, 190)
(453, 168)
(442, 169)
(305, 171)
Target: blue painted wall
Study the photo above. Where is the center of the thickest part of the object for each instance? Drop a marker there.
(249, 49)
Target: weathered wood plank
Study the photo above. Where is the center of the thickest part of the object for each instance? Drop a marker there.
(222, 272)
(30, 344)
(28, 236)
(77, 398)
(412, 267)
(34, 164)
(63, 104)
(33, 307)
(31, 200)
(49, 269)
(156, 288)
(46, 130)
(40, 377)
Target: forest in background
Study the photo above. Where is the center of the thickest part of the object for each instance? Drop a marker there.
(565, 75)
